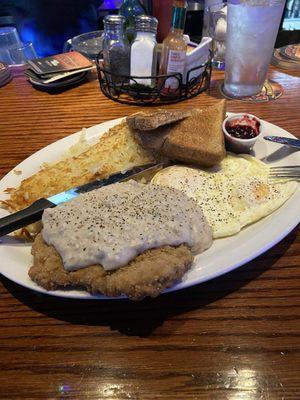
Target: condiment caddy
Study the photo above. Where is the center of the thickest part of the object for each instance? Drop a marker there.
(144, 73)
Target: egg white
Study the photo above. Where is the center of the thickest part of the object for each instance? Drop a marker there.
(233, 194)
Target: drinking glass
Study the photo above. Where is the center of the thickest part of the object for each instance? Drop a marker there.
(252, 27)
(9, 37)
(22, 53)
(89, 44)
(217, 15)
(5, 56)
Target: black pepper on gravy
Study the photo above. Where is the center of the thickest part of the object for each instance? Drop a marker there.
(112, 225)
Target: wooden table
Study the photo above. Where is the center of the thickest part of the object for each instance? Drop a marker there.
(235, 338)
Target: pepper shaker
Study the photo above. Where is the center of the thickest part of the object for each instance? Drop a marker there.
(116, 50)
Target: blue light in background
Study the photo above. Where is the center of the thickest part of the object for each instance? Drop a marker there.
(111, 4)
(28, 33)
(48, 24)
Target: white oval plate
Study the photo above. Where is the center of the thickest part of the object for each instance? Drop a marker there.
(224, 255)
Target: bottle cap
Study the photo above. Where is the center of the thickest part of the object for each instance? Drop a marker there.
(113, 20)
(146, 23)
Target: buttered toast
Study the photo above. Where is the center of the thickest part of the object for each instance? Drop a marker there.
(196, 139)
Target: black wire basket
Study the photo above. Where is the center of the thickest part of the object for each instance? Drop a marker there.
(125, 89)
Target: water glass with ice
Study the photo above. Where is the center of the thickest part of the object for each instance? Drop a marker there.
(252, 27)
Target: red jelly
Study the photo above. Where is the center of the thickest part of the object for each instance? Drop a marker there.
(243, 128)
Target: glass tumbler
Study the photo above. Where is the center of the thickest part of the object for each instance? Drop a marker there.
(22, 53)
(217, 31)
(9, 37)
(252, 27)
(5, 56)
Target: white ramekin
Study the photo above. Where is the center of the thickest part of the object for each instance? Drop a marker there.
(240, 145)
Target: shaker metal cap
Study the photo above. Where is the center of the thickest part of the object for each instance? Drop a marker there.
(113, 20)
(146, 23)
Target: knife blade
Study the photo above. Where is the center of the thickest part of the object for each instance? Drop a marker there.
(283, 140)
(34, 212)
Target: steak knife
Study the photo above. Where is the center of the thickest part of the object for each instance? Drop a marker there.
(34, 212)
(283, 140)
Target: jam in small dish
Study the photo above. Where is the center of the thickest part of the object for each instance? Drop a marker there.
(241, 132)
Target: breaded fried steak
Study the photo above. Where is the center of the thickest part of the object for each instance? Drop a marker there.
(128, 238)
(147, 275)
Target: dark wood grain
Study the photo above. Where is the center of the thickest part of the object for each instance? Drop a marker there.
(236, 337)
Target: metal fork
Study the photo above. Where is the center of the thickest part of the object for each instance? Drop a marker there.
(290, 172)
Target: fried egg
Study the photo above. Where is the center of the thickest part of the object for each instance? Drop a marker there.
(233, 194)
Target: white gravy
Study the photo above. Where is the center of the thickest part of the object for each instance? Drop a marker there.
(112, 225)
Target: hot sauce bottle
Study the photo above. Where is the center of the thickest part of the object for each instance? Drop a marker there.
(173, 56)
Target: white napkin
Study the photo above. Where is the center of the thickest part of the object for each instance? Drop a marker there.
(196, 57)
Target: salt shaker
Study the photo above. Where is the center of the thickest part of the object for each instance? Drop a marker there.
(116, 50)
(143, 60)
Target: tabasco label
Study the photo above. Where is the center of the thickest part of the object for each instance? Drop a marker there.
(176, 64)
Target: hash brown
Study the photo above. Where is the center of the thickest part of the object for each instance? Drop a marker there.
(117, 150)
